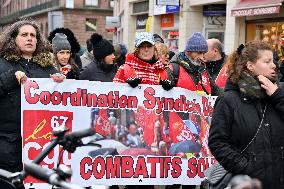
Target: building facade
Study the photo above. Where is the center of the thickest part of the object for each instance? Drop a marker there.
(83, 17)
(232, 21)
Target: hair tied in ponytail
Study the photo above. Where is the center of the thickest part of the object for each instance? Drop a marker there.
(240, 48)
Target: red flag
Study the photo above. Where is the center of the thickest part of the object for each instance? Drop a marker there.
(203, 138)
(146, 119)
(103, 124)
(222, 77)
(178, 130)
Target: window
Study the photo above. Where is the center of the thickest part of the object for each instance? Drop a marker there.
(140, 7)
(91, 24)
(91, 2)
(268, 31)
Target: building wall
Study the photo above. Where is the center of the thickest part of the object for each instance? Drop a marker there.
(72, 18)
(189, 19)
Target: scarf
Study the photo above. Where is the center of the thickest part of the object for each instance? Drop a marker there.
(188, 64)
(250, 87)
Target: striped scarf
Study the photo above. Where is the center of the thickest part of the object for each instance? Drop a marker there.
(150, 74)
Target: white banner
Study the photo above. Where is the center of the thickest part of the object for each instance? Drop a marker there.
(160, 137)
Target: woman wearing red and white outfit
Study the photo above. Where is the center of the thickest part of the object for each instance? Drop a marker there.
(144, 67)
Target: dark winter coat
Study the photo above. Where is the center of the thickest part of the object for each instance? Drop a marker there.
(235, 121)
(98, 72)
(10, 105)
(214, 67)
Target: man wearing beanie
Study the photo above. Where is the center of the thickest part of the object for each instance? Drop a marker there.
(102, 68)
(188, 71)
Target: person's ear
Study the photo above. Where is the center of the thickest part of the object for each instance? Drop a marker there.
(250, 66)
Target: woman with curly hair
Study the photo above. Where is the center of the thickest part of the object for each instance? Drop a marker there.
(23, 53)
(247, 129)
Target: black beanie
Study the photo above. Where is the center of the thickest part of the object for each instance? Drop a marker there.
(101, 47)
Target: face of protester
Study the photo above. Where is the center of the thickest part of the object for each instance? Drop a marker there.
(211, 54)
(132, 129)
(26, 40)
(109, 59)
(264, 65)
(146, 51)
(63, 57)
(196, 56)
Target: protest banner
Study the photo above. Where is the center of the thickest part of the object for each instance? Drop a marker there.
(160, 136)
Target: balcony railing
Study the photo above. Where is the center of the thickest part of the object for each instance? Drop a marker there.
(37, 8)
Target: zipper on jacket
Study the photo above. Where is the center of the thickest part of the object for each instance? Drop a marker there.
(282, 152)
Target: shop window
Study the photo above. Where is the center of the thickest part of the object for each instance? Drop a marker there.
(91, 24)
(140, 7)
(91, 2)
(217, 34)
(272, 33)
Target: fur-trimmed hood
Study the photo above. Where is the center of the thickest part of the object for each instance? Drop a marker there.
(42, 59)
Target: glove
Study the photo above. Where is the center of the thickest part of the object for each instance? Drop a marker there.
(167, 84)
(133, 81)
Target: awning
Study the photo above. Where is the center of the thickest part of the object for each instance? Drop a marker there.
(256, 7)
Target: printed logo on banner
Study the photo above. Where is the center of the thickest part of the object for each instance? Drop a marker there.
(37, 134)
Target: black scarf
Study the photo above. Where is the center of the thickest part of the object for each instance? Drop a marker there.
(106, 67)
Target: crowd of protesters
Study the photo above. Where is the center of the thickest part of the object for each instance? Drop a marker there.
(246, 84)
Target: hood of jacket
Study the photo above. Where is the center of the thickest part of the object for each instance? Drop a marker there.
(42, 59)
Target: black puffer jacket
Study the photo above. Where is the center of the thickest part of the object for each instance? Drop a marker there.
(98, 72)
(10, 107)
(235, 122)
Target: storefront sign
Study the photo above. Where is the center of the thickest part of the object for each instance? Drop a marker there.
(141, 21)
(167, 2)
(256, 11)
(167, 20)
(174, 33)
(112, 21)
(165, 9)
(214, 10)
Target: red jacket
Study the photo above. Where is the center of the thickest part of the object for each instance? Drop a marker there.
(186, 77)
(135, 67)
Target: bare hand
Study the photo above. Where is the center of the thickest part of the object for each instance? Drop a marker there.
(266, 84)
(58, 77)
(21, 77)
(65, 69)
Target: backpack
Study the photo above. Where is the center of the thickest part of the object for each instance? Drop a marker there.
(173, 75)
